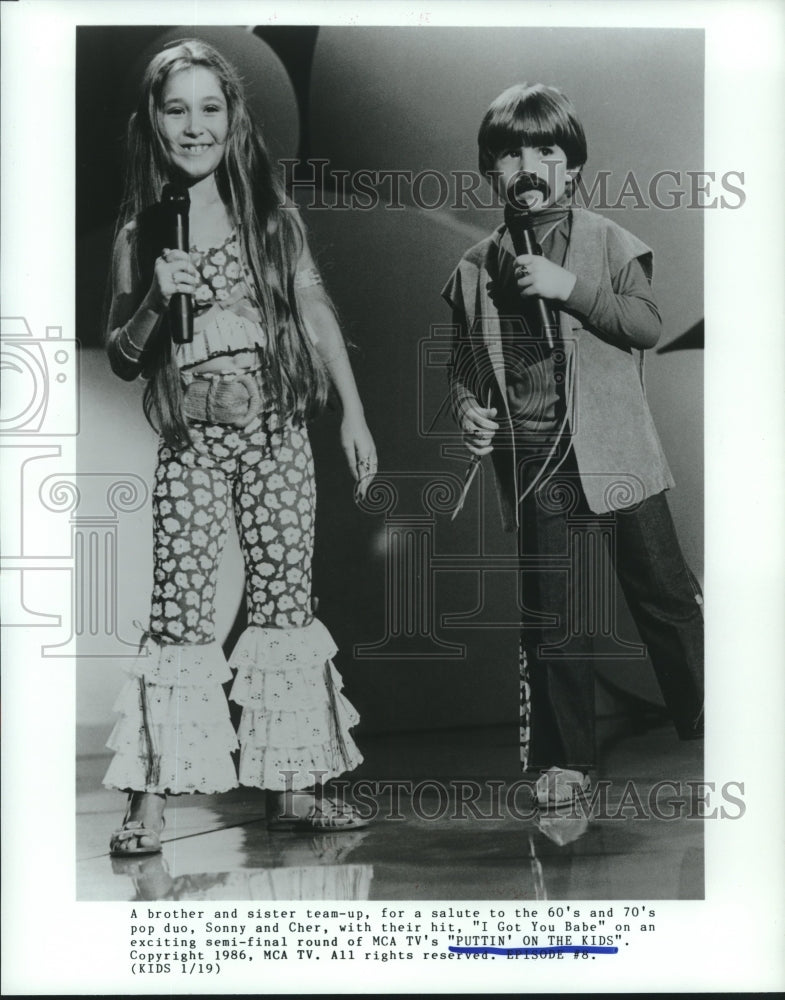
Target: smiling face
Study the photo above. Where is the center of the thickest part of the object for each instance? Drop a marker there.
(193, 119)
(549, 163)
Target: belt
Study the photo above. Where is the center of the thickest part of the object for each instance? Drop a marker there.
(234, 397)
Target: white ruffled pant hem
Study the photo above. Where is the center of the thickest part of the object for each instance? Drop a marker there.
(174, 734)
(294, 730)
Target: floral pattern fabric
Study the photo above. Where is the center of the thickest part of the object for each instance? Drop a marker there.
(263, 474)
(175, 734)
(220, 268)
(226, 319)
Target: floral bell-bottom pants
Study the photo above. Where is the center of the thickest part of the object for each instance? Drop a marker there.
(174, 733)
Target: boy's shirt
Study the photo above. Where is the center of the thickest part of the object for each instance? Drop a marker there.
(609, 310)
(534, 381)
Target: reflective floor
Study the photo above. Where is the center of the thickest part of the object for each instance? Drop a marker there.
(452, 819)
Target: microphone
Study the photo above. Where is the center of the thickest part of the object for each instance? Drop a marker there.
(524, 191)
(175, 202)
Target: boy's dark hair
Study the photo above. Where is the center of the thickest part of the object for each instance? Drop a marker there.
(535, 115)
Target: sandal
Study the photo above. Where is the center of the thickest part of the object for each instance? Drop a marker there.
(557, 787)
(128, 839)
(324, 816)
(122, 842)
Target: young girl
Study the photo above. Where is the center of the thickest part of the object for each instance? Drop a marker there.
(230, 407)
(571, 436)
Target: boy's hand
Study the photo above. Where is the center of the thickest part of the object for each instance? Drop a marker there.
(537, 275)
(478, 427)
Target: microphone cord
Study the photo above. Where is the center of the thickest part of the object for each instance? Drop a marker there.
(569, 379)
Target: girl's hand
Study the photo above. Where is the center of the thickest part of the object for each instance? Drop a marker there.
(360, 452)
(536, 275)
(479, 427)
(173, 273)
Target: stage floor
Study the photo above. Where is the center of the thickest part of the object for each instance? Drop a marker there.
(452, 820)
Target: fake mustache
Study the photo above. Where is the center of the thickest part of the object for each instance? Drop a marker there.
(523, 188)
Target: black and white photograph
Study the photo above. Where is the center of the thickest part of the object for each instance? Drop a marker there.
(391, 588)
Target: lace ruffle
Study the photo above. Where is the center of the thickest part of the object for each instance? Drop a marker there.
(175, 664)
(225, 331)
(295, 716)
(174, 734)
(260, 652)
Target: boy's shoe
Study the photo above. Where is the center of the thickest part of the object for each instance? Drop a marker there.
(692, 729)
(557, 787)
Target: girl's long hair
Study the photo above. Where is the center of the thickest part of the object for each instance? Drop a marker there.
(270, 235)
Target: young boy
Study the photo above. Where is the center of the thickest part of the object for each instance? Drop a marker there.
(574, 447)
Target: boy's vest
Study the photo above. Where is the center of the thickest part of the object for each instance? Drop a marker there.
(618, 452)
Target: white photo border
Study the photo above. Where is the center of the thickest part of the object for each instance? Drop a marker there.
(730, 941)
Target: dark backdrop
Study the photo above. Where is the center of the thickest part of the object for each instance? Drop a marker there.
(411, 99)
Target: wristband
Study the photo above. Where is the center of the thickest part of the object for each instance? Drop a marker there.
(130, 350)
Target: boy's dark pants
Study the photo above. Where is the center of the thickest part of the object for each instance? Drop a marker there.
(569, 595)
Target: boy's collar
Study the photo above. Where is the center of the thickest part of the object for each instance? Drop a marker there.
(556, 211)
(546, 216)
